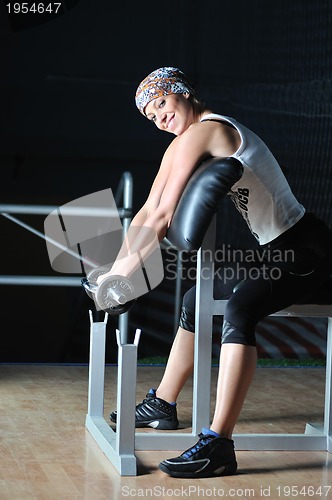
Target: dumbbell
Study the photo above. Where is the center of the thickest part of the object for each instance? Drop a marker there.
(115, 295)
(90, 282)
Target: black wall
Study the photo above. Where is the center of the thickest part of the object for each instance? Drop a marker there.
(69, 125)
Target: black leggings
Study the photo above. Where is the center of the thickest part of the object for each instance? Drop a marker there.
(292, 267)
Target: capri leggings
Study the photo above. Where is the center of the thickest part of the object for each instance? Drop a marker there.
(292, 267)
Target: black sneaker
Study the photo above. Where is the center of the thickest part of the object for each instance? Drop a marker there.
(154, 412)
(210, 456)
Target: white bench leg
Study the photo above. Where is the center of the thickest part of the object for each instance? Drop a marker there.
(119, 446)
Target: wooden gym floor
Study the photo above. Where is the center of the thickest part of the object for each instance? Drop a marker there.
(46, 452)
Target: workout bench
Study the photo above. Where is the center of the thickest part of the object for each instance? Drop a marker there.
(120, 446)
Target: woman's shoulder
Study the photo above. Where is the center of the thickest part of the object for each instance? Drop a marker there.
(219, 134)
(214, 137)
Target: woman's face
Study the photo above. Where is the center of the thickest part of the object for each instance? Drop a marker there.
(172, 113)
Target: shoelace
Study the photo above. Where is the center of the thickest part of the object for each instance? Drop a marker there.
(203, 440)
(146, 399)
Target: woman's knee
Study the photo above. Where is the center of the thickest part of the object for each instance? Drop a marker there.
(239, 324)
(187, 316)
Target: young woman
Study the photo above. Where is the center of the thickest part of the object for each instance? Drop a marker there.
(274, 216)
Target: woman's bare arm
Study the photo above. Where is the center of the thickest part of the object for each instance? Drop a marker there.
(181, 158)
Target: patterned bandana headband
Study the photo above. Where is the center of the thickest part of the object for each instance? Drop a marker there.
(162, 81)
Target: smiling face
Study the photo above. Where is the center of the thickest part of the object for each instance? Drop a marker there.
(172, 113)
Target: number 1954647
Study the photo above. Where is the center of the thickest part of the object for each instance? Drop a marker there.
(35, 8)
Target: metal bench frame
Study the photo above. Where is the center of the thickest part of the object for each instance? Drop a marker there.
(120, 446)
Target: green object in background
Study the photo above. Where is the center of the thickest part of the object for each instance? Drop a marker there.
(262, 362)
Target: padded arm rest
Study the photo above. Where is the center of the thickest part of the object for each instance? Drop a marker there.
(200, 201)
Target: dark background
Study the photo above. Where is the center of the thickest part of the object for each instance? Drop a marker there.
(69, 127)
